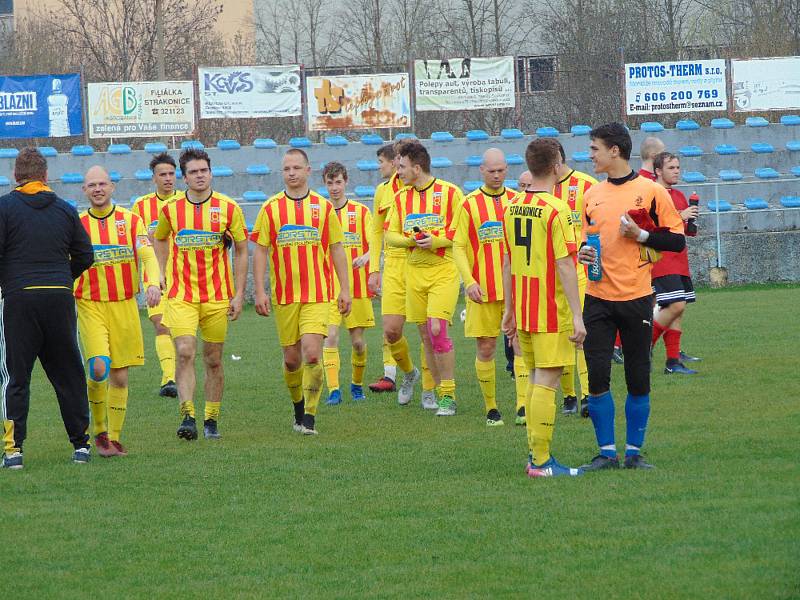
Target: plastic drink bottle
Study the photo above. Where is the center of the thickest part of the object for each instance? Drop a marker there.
(595, 268)
(691, 224)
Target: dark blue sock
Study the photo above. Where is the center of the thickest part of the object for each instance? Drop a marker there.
(601, 410)
(637, 411)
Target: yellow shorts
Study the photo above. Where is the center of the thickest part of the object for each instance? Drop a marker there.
(546, 350)
(393, 286)
(183, 318)
(361, 315)
(158, 309)
(483, 320)
(111, 329)
(431, 292)
(296, 320)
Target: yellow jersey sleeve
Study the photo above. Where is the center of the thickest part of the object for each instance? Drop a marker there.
(164, 228)
(237, 226)
(261, 230)
(460, 242)
(563, 234)
(334, 227)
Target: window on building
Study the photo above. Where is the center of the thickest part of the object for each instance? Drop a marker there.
(536, 74)
(6, 7)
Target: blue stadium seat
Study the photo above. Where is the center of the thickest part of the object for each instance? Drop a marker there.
(690, 151)
(372, 139)
(547, 132)
(405, 136)
(722, 123)
(477, 135)
(724, 206)
(322, 191)
(756, 122)
(300, 142)
(580, 130)
(367, 165)
(755, 204)
(336, 140)
(82, 150)
(48, 151)
(652, 127)
(72, 178)
(197, 144)
(790, 201)
(512, 134)
(693, 177)
(795, 171)
(264, 144)
(687, 125)
(228, 145)
(257, 170)
(114, 176)
(365, 191)
(726, 149)
(472, 185)
(515, 159)
(730, 175)
(473, 160)
(793, 145)
(767, 173)
(144, 175)
(762, 148)
(581, 157)
(72, 203)
(4, 181)
(119, 149)
(222, 171)
(441, 162)
(254, 196)
(178, 173)
(441, 136)
(790, 120)
(155, 147)
(511, 183)
(9, 153)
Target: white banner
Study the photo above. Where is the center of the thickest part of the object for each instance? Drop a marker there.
(464, 83)
(670, 87)
(766, 83)
(141, 109)
(250, 92)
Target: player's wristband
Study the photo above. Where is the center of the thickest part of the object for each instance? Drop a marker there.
(643, 236)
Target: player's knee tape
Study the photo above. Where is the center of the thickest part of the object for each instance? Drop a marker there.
(441, 341)
(106, 361)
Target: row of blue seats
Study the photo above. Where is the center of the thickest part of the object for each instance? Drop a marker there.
(755, 203)
(735, 175)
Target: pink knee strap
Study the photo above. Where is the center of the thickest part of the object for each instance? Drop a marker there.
(441, 342)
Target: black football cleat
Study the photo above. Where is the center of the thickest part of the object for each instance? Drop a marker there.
(188, 429)
(169, 390)
(600, 462)
(635, 461)
(210, 430)
(570, 405)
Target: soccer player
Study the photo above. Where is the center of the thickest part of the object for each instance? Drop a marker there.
(295, 231)
(622, 299)
(356, 223)
(422, 223)
(541, 290)
(201, 225)
(650, 148)
(525, 181)
(478, 249)
(148, 207)
(671, 279)
(108, 314)
(571, 187)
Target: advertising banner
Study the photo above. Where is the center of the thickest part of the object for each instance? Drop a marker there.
(250, 92)
(358, 101)
(464, 83)
(678, 86)
(766, 83)
(141, 109)
(40, 106)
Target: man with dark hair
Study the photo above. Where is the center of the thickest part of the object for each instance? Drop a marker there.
(634, 219)
(43, 249)
(200, 226)
(148, 207)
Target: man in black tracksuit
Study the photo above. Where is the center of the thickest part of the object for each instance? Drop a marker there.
(43, 248)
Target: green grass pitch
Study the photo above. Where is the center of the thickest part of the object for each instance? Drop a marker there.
(394, 502)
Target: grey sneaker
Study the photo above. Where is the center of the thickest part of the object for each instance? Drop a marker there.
(406, 390)
(429, 400)
(447, 407)
(81, 456)
(12, 461)
(211, 430)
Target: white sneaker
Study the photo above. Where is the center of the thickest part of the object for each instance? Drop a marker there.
(81, 456)
(297, 427)
(307, 431)
(447, 407)
(407, 387)
(429, 400)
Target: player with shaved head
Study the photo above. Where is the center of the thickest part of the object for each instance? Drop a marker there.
(650, 148)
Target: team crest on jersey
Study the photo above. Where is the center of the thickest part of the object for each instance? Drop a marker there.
(573, 194)
(120, 223)
(437, 198)
(215, 212)
(351, 218)
(639, 201)
(314, 211)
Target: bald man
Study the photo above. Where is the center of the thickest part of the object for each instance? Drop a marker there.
(525, 181)
(108, 314)
(478, 251)
(650, 148)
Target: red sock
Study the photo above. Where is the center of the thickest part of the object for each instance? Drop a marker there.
(658, 330)
(618, 342)
(672, 340)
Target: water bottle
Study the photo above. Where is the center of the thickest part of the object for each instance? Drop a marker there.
(691, 224)
(595, 268)
(58, 111)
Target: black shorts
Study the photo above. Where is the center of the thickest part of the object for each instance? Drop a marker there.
(673, 288)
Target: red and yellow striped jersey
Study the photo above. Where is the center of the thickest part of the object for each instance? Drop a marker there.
(298, 234)
(148, 208)
(199, 265)
(116, 238)
(430, 210)
(356, 223)
(382, 205)
(571, 190)
(478, 244)
(538, 231)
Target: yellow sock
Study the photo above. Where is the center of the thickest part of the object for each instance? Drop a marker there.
(521, 378)
(400, 353)
(294, 382)
(187, 408)
(165, 350)
(388, 359)
(448, 388)
(358, 361)
(528, 430)
(427, 377)
(331, 362)
(568, 380)
(98, 403)
(312, 386)
(117, 407)
(8, 437)
(541, 420)
(485, 370)
(583, 374)
(211, 411)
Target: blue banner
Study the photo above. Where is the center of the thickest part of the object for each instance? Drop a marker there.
(40, 106)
